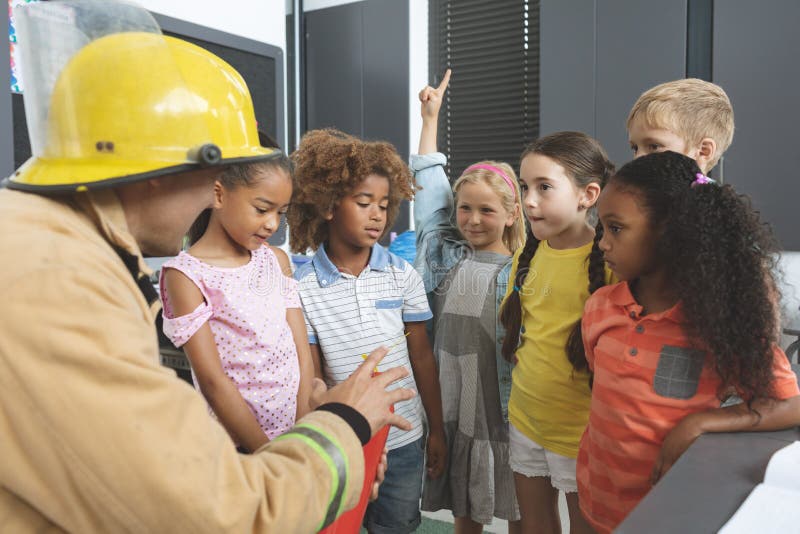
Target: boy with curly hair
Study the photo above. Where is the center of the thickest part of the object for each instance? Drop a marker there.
(357, 296)
(689, 116)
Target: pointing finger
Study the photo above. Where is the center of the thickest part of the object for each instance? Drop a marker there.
(445, 81)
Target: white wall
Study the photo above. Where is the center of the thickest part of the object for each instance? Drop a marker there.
(418, 65)
(313, 5)
(418, 73)
(261, 20)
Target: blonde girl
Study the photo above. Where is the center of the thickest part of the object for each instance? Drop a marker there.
(464, 248)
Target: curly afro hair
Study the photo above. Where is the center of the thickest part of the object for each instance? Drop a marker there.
(722, 262)
(329, 164)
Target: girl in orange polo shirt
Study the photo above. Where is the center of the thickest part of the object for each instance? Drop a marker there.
(693, 321)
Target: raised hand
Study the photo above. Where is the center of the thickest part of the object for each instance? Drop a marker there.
(431, 98)
(430, 103)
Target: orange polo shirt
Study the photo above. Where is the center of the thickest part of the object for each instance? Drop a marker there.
(646, 380)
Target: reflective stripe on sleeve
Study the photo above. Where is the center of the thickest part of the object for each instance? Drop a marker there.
(336, 460)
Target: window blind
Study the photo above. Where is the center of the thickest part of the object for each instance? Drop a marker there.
(491, 109)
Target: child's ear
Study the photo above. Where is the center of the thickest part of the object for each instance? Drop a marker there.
(219, 193)
(512, 217)
(589, 195)
(332, 210)
(706, 151)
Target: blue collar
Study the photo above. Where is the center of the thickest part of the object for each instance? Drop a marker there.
(327, 273)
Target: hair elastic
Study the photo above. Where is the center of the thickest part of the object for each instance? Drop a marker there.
(516, 288)
(702, 179)
(493, 169)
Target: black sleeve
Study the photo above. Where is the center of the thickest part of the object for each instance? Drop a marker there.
(352, 417)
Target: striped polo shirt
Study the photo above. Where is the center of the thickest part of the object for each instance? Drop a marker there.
(646, 380)
(348, 316)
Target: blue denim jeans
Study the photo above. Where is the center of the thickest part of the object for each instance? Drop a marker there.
(396, 511)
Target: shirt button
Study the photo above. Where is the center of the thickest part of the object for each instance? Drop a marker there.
(324, 282)
(639, 328)
(633, 351)
(522, 329)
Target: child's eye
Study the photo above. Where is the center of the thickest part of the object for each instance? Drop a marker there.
(634, 148)
(261, 211)
(655, 147)
(363, 204)
(545, 187)
(487, 210)
(283, 212)
(463, 208)
(614, 229)
(523, 186)
(383, 208)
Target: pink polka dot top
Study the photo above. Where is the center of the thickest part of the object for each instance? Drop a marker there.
(246, 309)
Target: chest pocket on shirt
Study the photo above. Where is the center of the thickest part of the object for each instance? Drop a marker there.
(678, 372)
(389, 314)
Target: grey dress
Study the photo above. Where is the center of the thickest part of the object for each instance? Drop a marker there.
(465, 289)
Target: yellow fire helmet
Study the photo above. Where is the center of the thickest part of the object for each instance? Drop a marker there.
(127, 105)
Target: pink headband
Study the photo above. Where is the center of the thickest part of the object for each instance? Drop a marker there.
(493, 169)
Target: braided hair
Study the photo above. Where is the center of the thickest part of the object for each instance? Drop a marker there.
(721, 262)
(585, 162)
(597, 279)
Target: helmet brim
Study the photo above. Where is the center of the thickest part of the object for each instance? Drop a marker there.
(40, 175)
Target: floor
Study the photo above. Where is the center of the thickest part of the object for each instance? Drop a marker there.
(433, 522)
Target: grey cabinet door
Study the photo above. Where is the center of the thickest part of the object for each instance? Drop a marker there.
(639, 44)
(598, 56)
(357, 71)
(755, 61)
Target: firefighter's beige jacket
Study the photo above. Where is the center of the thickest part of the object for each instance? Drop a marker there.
(96, 436)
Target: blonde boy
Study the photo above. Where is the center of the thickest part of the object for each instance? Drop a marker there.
(690, 116)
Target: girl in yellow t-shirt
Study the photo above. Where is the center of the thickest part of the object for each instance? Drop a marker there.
(561, 176)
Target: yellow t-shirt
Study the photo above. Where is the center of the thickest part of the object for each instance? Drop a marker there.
(550, 400)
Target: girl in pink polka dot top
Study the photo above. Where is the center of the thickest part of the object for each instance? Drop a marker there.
(232, 305)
